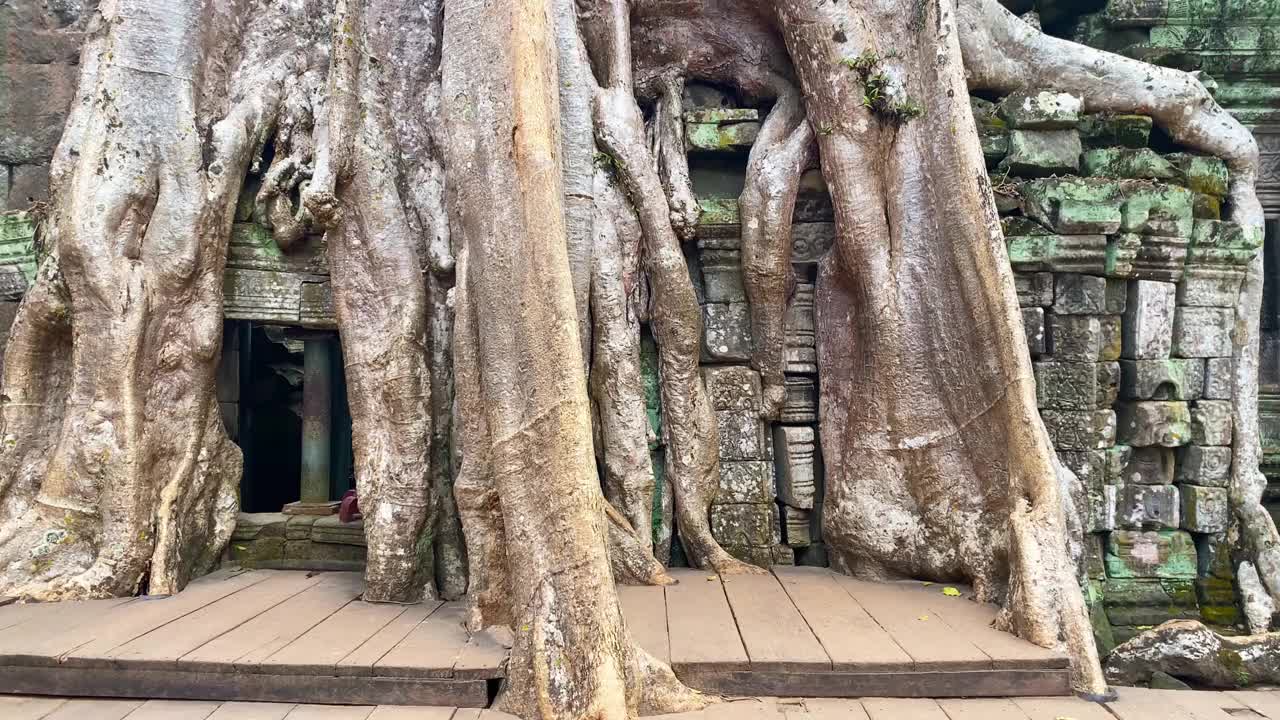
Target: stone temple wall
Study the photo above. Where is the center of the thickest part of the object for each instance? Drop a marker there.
(1127, 278)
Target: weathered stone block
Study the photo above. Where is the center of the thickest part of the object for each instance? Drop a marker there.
(250, 526)
(1151, 422)
(1033, 326)
(801, 402)
(1039, 153)
(1157, 209)
(1217, 598)
(1089, 466)
(743, 524)
(36, 99)
(1126, 163)
(1158, 257)
(1218, 383)
(722, 276)
(1042, 110)
(1080, 429)
(1035, 289)
(1108, 374)
(1089, 205)
(801, 350)
(1211, 422)
(1167, 379)
(1067, 386)
(795, 526)
(1147, 507)
(1202, 332)
(303, 554)
(1100, 511)
(1206, 466)
(1215, 288)
(1087, 295)
(28, 184)
(732, 387)
(1118, 457)
(330, 529)
(1147, 325)
(1084, 338)
(1215, 554)
(810, 241)
(1150, 554)
(1122, 254)
(1200, 173)
(1148, 466)
(745, 481)
(742, 435)
(1060, 253)
(796, 453)
(298, 527)
(1131, 131)
(263, 551)
(725, 135)
(726, 331)
(1149, 602)
(1205, 509)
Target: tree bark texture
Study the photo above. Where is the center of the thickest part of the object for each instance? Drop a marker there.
(505, 192)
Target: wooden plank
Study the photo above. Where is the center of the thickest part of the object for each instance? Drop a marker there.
(853, 640)
(39, 639)
(361, 660)
(773, 631)
(1265, 702)
(173, 710)
(983, 709)
(162, 647)
(319, 649)
(391, 712)
(1140, 704)
(644, 607)
(259, 638)
(17, 613)
(912, 684)
(702, 631)
(905, 613)
(180, 685)
(896, 709)
(833, 709)
(120, 625)
(430, 649)
(17, 707)
(251, 711)
(482, 657)
(93, 710)
(328, 712)
(1202, 705)
(973, 622)
(1053, 708)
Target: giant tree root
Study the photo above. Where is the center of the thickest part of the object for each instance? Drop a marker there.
(1191, 652)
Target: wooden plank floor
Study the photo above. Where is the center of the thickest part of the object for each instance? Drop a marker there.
(299, 637)
(1132, 704)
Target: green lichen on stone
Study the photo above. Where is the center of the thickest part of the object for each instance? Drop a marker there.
(1038, 153)
(1105, 130)
(721, 137)
(718, 211)
(18, 243)
(1203, 174)
(1165, 554)
(1126, 163)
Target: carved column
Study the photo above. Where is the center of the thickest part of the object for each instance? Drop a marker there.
(317, 419)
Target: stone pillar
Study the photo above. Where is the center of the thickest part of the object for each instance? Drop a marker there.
(317, 419)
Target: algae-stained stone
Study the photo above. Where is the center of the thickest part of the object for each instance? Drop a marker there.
(742, 435)
(743, 524)
(1201, 173)
(1100, 509)
(1108, 389)
(1122, 253)
(1076, 294)
(1206, 207)
(1105, 130)
(721, 136)
(1060, 253)
(745, 481)
(330, 529)
(1148, 466)
(1211, 422)
(1147, 325)
(1147, 507)
(1042, 110)
(1150, 554)
(1159, 257)
(993, 132)
(300, 554)
(1205, 466)
(1066, 386)
(1033, 326)
(726, 331)
(1149, 602)
(264, 551)
(1205, 509)
(1118, 457)
(1084, 338)
(1094, 567)
(1039, 153)
(1126, 163)
(1217, 378)
(732, 387)
(1167, 379)
(1074, 205)
(1202, 332)
(1217, 598)
(796, 457)
(1035, 289)
(1156, 209)
(1080, 429)
(1151, 422)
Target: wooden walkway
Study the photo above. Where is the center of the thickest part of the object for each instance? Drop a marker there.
(1133, 704)
(291, 636)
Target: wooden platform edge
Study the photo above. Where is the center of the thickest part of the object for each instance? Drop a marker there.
(179, 685)
(918, 684)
